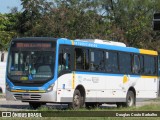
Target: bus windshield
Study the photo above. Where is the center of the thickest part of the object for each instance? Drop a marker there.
(31, 61)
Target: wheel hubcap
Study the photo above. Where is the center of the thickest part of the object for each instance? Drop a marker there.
(130, 101)
(76, 100)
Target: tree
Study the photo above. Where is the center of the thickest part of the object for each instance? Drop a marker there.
(33, 10)
(119, 20)
(7, 31)
(131, 21)
(74, 19)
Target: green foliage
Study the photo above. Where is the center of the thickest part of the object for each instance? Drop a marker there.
(132, 21)
(128, 21)
(7, 29)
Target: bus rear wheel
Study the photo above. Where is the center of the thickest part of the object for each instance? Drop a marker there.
(77, 100)
(130, 99)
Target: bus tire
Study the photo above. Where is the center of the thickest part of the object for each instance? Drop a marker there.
(35, 105)
(77, 100)
(130, 99)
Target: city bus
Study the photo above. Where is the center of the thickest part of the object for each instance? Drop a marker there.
(80, 73)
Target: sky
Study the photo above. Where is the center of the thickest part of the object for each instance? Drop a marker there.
(6, 5)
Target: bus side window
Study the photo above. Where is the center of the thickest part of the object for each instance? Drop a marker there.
(64, 59)
(125, 63)
(150, 66)
(136, 64)
(67, 59)
(141, 58)
(81, 59)
(86, 59)
(78, 58)
(111, 62)
(92, 62)
(61, 65)
(97, 61)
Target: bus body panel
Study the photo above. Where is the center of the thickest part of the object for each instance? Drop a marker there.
(32, 97)
(99, 86)
(108, 88)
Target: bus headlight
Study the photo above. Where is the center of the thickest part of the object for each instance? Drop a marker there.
(50, 88)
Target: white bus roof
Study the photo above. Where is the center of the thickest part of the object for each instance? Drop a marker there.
(107, 42)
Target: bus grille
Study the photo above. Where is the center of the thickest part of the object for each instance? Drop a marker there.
(31, 97)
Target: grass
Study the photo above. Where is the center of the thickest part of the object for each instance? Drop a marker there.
(150, 107)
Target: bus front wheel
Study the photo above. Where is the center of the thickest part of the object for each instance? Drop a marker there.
(77, 100)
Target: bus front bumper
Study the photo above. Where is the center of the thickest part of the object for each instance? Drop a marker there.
(31, 97)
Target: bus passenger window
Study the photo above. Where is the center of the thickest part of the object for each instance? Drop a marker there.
(64, 61)
(136, 64)
(141, 58)
(61, 62)
(111, 62)
(97, 61)
(86, 59)
(150, 66)
(82, 59)
(125, 63)
(92, 60)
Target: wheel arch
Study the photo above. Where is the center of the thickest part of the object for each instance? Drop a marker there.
(81, 89)
(133, 90)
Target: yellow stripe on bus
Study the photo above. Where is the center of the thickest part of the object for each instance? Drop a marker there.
(73, 80)
(148, 52)
(38, 91)
(72, 42)
(18, 90)
(30, 91)
(149, 76)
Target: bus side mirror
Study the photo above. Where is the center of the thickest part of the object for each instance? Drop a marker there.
(156, 21)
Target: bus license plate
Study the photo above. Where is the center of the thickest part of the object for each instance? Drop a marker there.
(26, 96)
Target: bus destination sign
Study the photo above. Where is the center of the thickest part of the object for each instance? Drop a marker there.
(33, 45)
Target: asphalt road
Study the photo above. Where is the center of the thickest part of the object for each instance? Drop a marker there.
(23, 106)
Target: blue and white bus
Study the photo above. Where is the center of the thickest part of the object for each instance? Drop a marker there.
(80, 73)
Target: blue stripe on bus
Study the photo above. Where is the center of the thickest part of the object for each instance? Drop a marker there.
(105, 46)
(118, 48)
(64, 41)
(97, 45)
